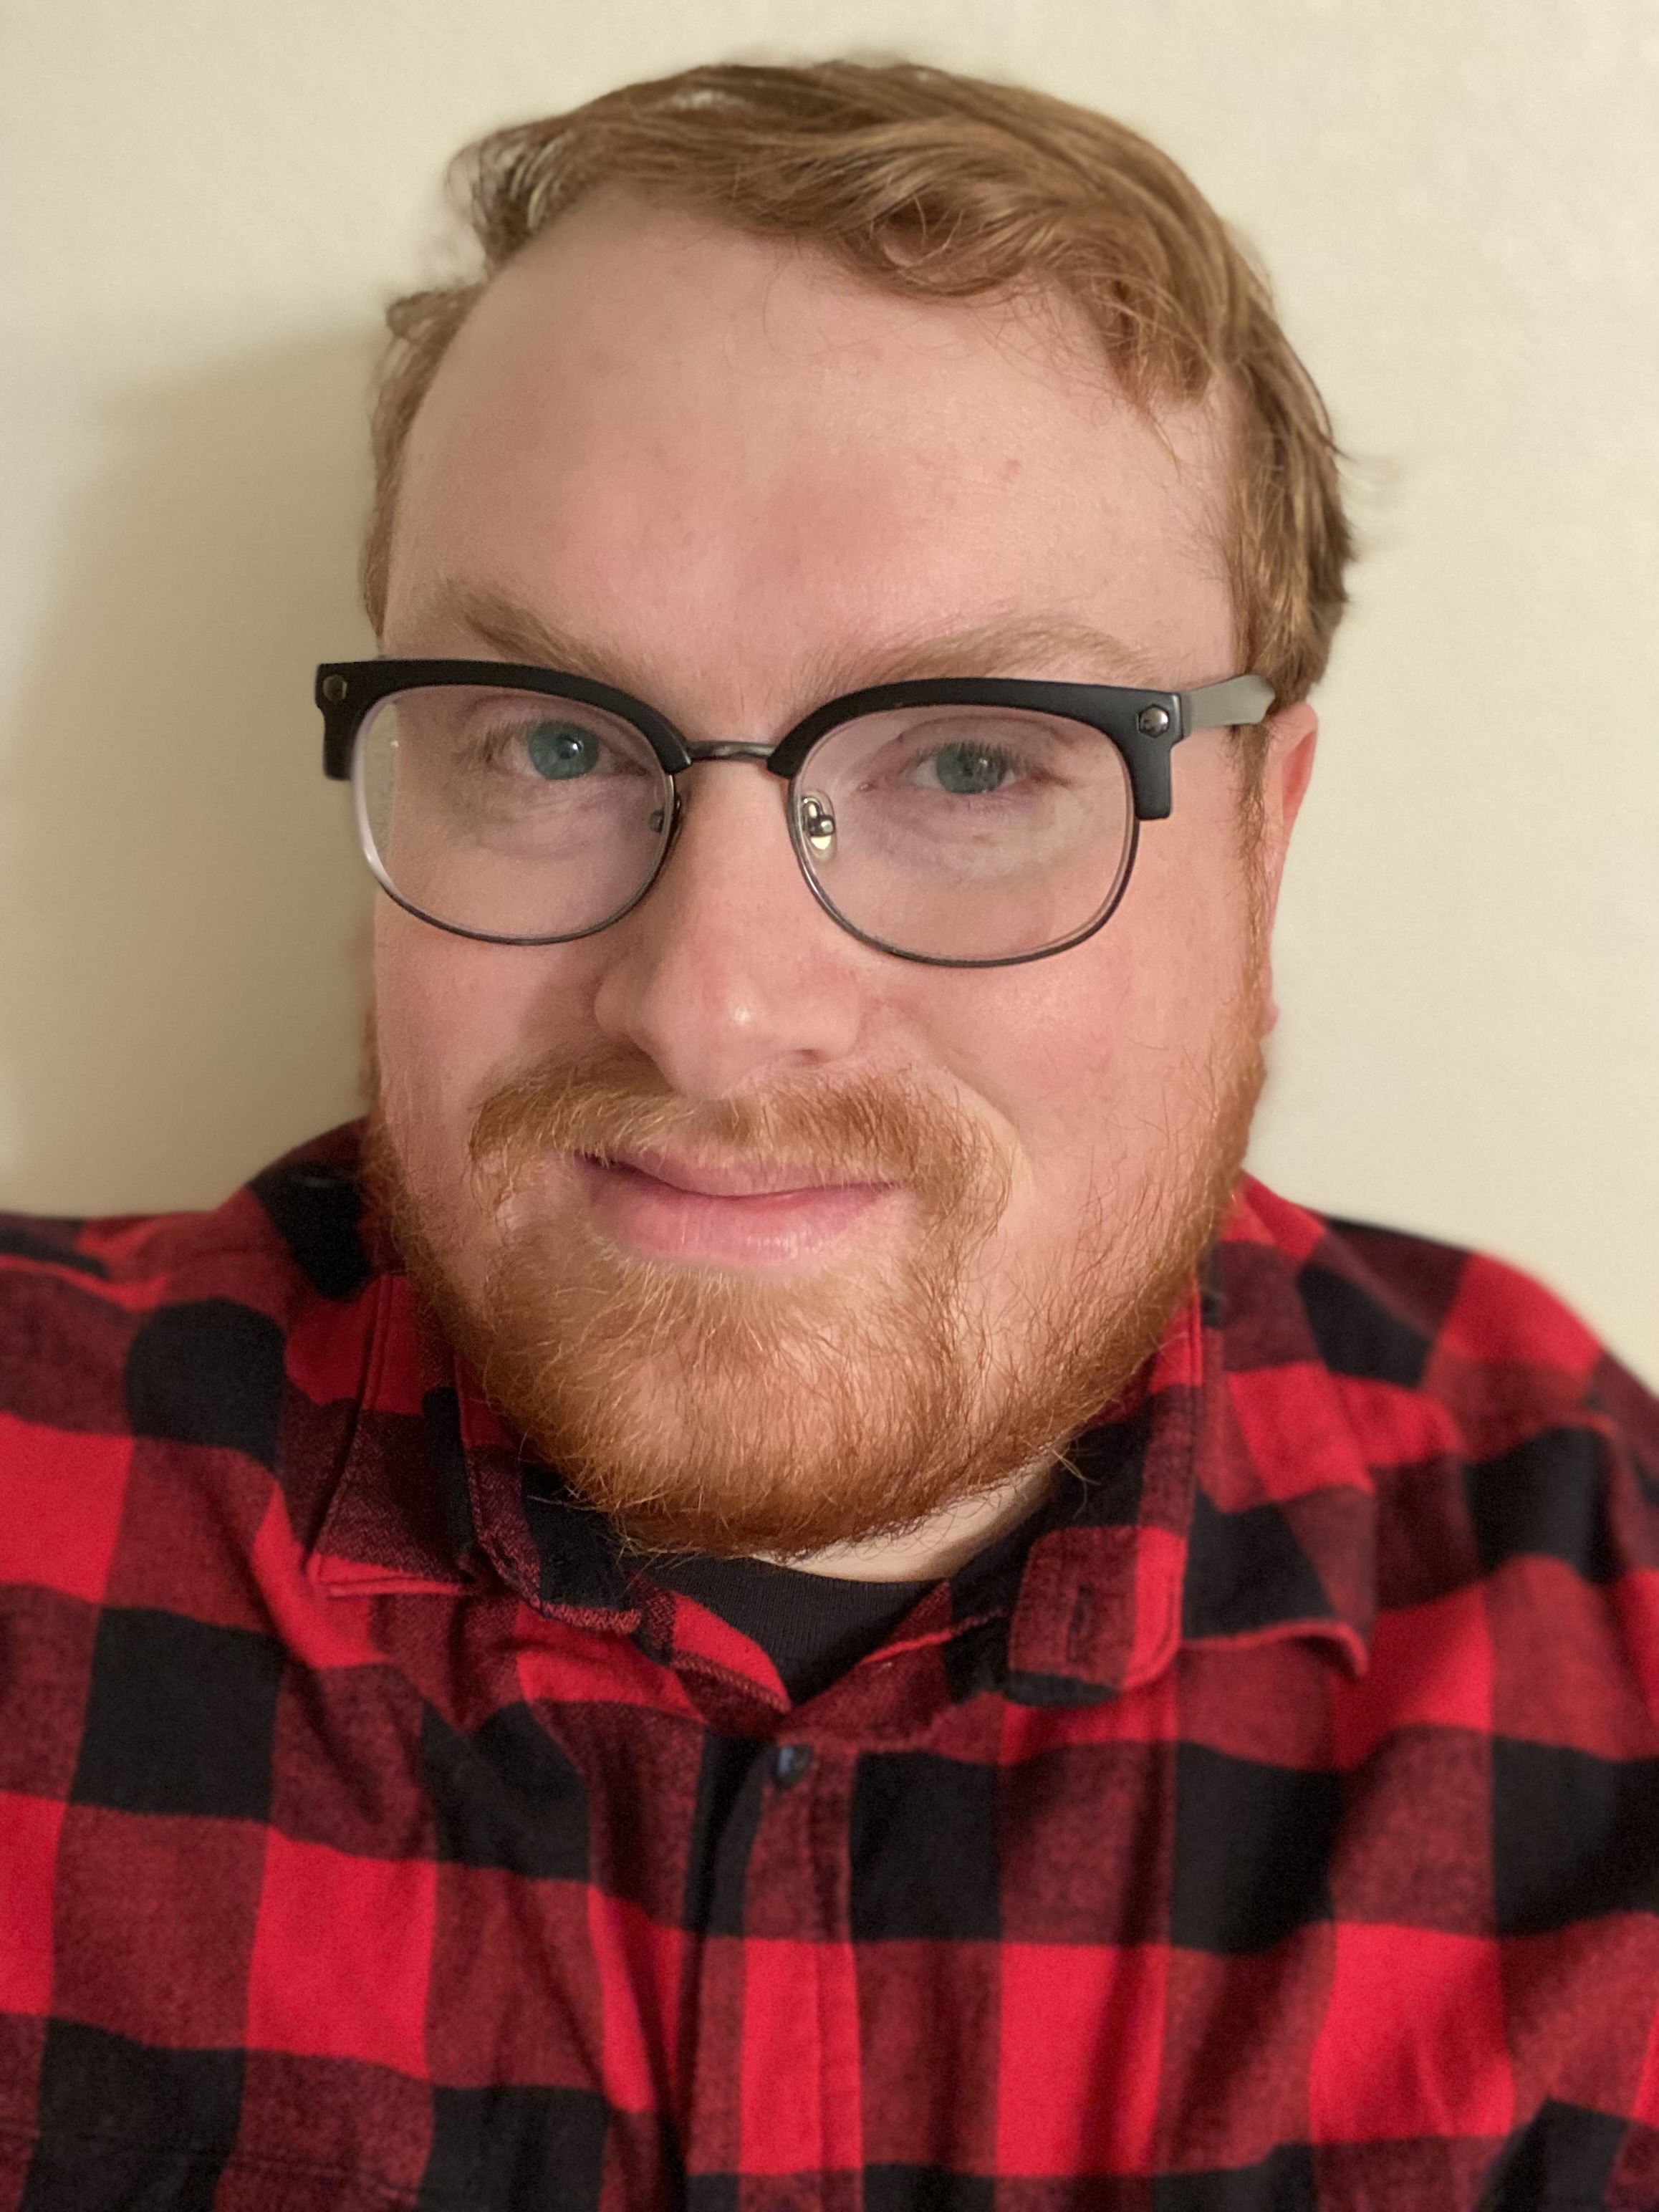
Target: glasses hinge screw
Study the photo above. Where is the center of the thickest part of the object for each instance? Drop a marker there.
(1153, 721)
(334, 687)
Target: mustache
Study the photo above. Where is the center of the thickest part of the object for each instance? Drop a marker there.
(877, 1129)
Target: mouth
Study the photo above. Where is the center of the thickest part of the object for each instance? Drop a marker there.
(729, 1178)
(737, 1213)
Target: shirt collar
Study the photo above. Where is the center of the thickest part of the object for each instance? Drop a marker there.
(1226, 1500)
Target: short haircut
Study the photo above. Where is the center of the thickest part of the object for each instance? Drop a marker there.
(943, 187)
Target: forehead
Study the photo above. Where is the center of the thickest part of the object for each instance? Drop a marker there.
(724, 461)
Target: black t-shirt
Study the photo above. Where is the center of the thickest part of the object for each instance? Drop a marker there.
(813, 1627)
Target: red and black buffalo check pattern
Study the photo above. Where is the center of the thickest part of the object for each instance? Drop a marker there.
(1282, 1832)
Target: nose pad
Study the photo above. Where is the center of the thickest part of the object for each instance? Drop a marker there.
(817, 824)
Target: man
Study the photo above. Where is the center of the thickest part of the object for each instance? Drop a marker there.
(780, 1587)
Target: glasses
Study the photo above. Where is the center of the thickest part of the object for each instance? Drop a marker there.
(966, 823)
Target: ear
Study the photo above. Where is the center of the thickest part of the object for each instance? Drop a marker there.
(1292, 739)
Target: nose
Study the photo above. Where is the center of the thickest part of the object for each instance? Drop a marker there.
(729, 971)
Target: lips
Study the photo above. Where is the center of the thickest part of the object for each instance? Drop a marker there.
(726, 1179)
(730, 1214)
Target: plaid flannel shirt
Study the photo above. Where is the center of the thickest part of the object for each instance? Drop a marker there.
(1283, 1834)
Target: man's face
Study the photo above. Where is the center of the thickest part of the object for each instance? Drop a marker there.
(774, 1239)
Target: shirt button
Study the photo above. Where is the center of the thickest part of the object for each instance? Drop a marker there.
(789, 1762)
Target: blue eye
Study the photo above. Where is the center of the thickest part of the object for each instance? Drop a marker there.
(560, 750)
(969, 770)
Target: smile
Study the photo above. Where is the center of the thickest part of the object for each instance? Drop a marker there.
(730, 1214)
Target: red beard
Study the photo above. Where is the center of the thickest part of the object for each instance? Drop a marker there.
(736, 1415)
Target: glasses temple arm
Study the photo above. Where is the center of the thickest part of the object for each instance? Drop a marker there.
(1241, 699)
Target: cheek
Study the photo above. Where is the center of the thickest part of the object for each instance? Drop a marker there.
(1183, 945)
(1044, 1052)
(452, 1019)
(421, 1048)
(1187, 920)
(1100, 1062)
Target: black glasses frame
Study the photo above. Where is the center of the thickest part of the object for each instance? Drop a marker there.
(1144, 725)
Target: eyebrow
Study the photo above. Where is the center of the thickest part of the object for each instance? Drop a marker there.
(1028, 646)
(1021, 646)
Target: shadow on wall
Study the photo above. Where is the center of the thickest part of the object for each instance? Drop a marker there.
(183, 916)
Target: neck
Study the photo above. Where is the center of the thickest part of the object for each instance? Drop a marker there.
(939, 1546)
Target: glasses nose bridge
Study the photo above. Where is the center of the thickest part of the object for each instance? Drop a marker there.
(716, 750)
(728, 749)
(733, 749)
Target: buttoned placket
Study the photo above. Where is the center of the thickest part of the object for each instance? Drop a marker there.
(775, 2081)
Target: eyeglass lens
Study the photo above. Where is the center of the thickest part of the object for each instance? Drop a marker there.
(949, 832)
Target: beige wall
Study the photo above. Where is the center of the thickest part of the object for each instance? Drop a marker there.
(206, 200)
